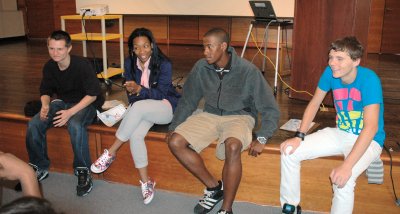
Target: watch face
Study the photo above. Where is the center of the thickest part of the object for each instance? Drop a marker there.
(262, 140)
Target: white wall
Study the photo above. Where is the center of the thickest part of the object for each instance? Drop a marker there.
(283, 8)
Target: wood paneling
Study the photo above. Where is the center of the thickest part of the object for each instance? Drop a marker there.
(21, 5)
(60, 8)
(360, 27)
(184, 28)
(391, 27)
(43, 16)
(308, 45)
(207, 23)
(40, 18)
(239, 29)
(157, 24)
(376, 26)
(330, 20)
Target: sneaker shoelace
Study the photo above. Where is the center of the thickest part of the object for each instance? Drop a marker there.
(147, 189)
(104, 160)
(207, 202)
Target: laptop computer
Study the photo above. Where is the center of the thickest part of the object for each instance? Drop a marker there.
(263, 10)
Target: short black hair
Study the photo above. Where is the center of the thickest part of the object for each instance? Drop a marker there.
(348, 44)
(220, 33)
(61, 35)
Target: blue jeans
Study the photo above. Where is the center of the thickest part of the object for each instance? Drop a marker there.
(36, 143)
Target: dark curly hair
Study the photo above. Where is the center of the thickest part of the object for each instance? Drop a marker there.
(157, 55)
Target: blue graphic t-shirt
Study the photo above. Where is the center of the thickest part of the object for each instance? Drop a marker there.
(350, 100)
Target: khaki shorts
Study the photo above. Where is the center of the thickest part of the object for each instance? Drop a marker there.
(202, 129)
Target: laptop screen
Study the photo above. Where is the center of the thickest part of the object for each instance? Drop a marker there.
(262, 10)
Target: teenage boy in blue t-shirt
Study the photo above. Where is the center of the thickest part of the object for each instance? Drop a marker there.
(359, 134)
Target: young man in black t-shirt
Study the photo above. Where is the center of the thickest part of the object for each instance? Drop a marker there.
(69, 94)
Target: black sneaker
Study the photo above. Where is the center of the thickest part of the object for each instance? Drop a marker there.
(209, 200)
(41, 174)
(85, 183)
(291, 209)
(224, 212)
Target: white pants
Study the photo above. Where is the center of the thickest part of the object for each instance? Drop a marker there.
(139, 118)
(326, 142)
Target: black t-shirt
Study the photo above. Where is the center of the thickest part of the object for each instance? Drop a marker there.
(72, 84)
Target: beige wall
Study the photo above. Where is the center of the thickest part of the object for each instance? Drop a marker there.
(11, 20)
(8, 5)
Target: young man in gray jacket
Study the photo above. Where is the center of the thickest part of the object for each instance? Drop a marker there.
(235, 93)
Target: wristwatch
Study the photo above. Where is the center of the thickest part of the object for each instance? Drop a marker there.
(300, 135)
(262, 140)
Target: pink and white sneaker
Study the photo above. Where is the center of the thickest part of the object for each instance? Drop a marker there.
(102, 163)
(148, 190)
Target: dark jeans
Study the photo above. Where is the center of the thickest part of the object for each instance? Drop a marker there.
(36, 143)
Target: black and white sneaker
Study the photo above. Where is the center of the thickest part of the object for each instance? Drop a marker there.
(291, 209)
(41, 174)
(85, 183)
(209, 200)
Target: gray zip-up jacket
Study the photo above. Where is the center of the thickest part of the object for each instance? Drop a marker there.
(243, 90)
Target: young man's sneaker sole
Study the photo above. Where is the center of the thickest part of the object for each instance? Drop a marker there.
(84, 190)
(224, 212)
